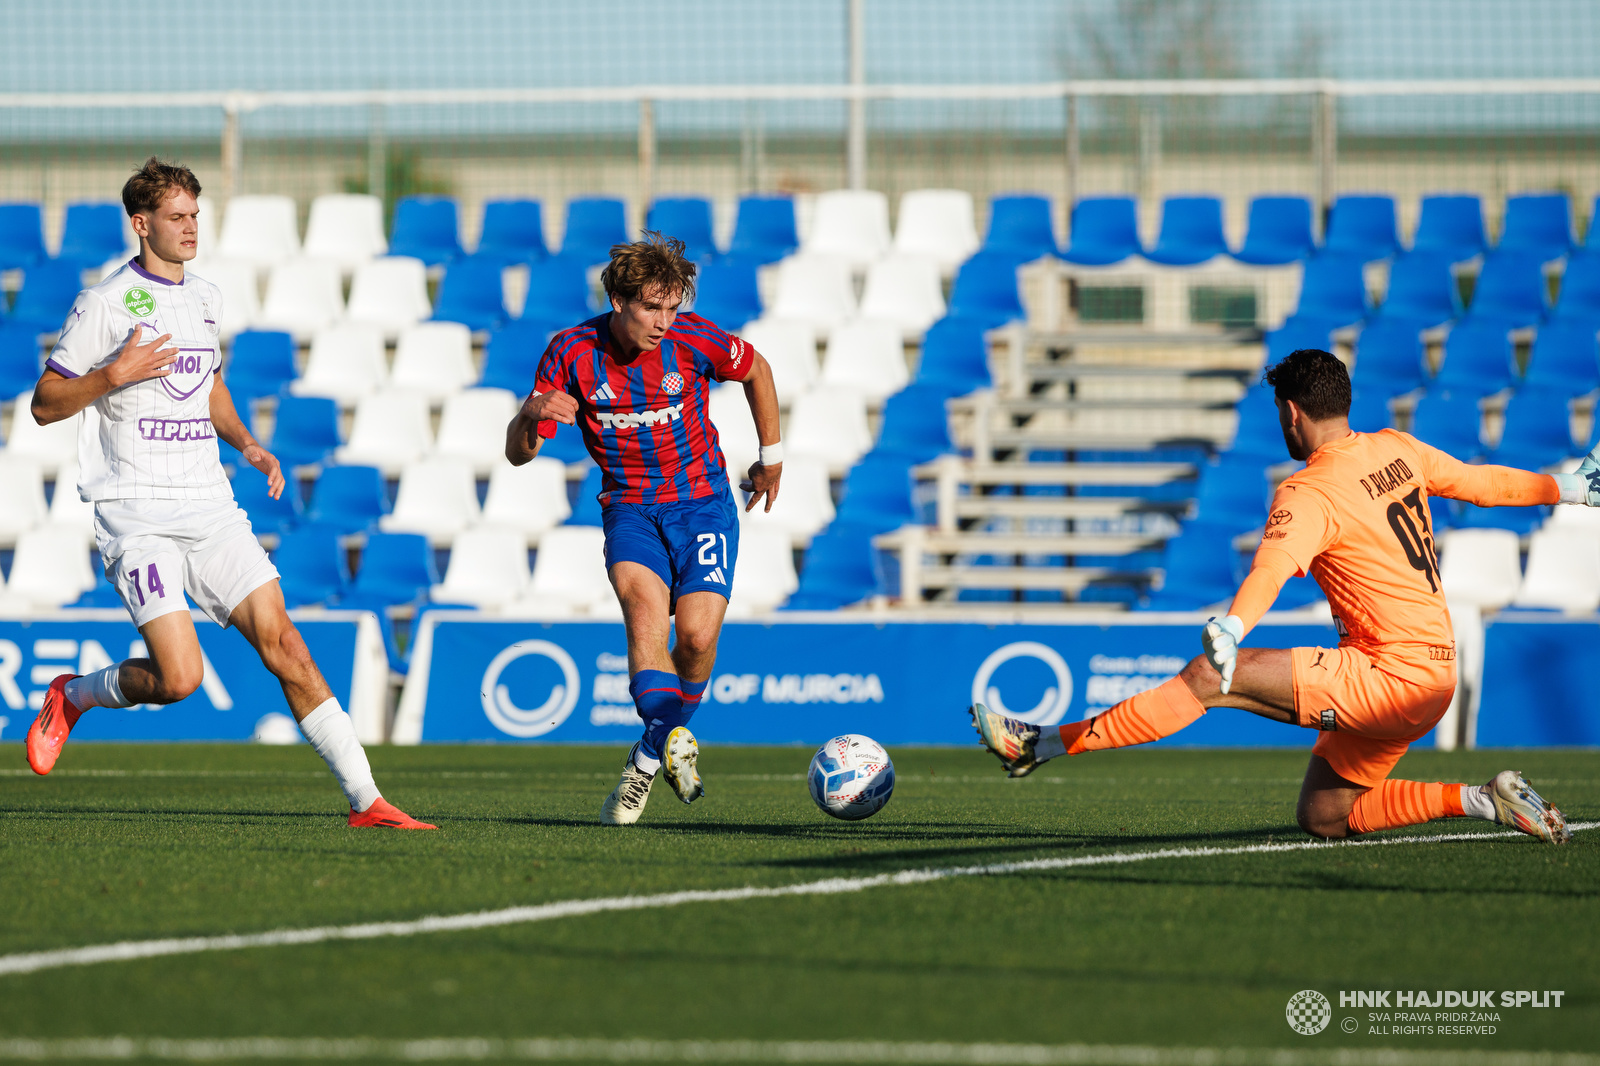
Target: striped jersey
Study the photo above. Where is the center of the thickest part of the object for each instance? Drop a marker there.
(646, 420)
(151, 439)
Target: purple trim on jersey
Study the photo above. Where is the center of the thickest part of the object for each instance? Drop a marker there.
(173, 390)
(59, 369)
(143, 273)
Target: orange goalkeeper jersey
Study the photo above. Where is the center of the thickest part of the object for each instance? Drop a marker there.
(1356, 519)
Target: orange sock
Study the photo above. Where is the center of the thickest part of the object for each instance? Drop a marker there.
(1397, 803)
(1139, 719)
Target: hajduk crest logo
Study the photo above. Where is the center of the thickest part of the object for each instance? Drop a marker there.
(672, 384)
(139, 302)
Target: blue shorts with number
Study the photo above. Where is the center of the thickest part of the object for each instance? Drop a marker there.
(692, 545)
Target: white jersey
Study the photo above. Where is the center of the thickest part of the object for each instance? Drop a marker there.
(152, 439)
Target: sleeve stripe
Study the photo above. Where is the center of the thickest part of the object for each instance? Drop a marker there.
(59, 369)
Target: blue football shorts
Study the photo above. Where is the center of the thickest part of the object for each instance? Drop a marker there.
(692, 545)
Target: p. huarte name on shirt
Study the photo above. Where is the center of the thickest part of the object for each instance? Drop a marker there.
(635, 419)
(176, 429)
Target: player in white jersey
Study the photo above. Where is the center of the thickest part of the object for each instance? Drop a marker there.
(139, 356)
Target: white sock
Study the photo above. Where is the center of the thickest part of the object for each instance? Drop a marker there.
(331, 735)
(99, 689)
(1475, 802)
(645, 762)
(1049, 744)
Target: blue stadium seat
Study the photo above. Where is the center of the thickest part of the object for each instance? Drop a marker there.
(986, 290)
(726, 291)
(1451, 422)
(1105, 230)
(594, 224)
(840, 569)
(48, 289)
(1451, 226)
(21, 236)
(558, 290)
(1199, 570)
(586, 510)
(1477, 359)
(20, 359)
(1020, 226)
(1511, 289)
(1333, 291)
(260, 363)
(471, 293)
(1537, 430)
(765, 228)
(877, 493)
(93, 234)
(1259, 433)
(513, 231)
(1422, 290)
(687, 218)
(1388, 359)
(1295, 334)
(1296, 593)
(305, 430)
(955, 357)
(511, 358)
(567, 446)
(1233, 492)
(1363, 227)
(396, 568)
(1538, 225)
(1369, 412)
(349, 499)
(311, 565)
(426, 228)
(1580, 288)
(1519, 520)
(1565, 357)
(269, 516)
(915, 426)
(1191, 231)
(1278, 232)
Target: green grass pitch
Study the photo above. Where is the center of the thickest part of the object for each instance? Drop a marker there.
(135, 842)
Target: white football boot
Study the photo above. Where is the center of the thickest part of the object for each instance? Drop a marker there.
(678, 757)
(1011, 740)
(627, 800)
(1516, 804)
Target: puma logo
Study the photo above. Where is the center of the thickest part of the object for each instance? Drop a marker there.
(1318, 660)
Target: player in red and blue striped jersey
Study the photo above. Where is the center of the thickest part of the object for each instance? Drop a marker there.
(637, 381)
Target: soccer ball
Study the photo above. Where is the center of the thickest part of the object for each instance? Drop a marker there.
(851, 777)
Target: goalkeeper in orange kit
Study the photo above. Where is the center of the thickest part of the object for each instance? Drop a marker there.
(1356, 519)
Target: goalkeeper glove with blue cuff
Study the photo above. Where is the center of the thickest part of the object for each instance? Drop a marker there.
(1583, 485)
(1221, 642)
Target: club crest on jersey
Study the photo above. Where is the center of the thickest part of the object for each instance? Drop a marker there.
(672, 384)
(210, 317)
(139, 302)
(189, 371)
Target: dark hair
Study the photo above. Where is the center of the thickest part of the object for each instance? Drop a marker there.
(152, 182)
(1315, 380)
(654, 263)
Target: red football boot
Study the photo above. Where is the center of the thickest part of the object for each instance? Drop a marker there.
(386, 815)
(49, 731)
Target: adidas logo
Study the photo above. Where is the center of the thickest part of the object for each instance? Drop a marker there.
(715, 577)
(602, 393)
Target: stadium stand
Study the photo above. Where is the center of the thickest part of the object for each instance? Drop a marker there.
(558, 292)
(48, 289)
(22, 500)
(1477, 359)
(804, 506)
(303, 296)
(1511, 289)
(271, 518)
(69, 510)
(764, 229)
(434, 359)
(1537, 430)
(736, 431)
(49, 568)
(259, 230)
(906, 291)
(1233, 492)
(1422, 290)
(1565, 357)
(93, 233)
(687, 218)
(488, 568)
(305, 430)
(1369, 412)
(815, 288)
(1191, 231)
(937, 223)
(472, 293)
(1480, 567)
(425, 228)
(391, 293)
(1580, 287)
(840, 569)
(830, 423)
(1539, 225)
(986, 291)
(1198, 569)
(437, 498)
(350, 499)
(850, 224)
(955, 357)
(878, 493)
(21, 236)
(569, 576)
(866, 355)
(472, 427)
(1333, 291)
(766, 571)
(241, 300)
(1563, 572)
(260, 363)
(312, 566)
(391, 430)
(915, 428)
(1020, 226)
(345, 228)
(1362, 227)
(586, 501)
(396, 568)
(511, 355)
(1104, 230)
(1450, 226)
(347, 363)
(1389, 358)
(52, 447)
(512, 231)
(790, 346)
(593, 225)
(1277, 232)
(531, 498)
(1450, 422)
(726, 292)
(20, 359)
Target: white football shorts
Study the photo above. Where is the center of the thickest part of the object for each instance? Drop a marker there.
(154, 550)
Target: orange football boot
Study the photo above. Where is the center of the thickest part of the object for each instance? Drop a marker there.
(386, 815)
(49, 731)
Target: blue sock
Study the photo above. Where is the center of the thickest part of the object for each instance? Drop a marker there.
(658, 695)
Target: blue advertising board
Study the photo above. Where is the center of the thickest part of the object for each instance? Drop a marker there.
(1539, 688)
(236, 693)
(805, 679)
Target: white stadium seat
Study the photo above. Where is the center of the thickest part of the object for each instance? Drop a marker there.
(790, 347)
(905, 290)
(569, 576)
(852, 224)
(346, 228)
(434, 359)
(473, 427)
(346, 364)
(260, 230)
(830, 423)
(815, 288)
(1563, 571)
(50, 567)
(209, 222)
(391, 431)
(736, 428)
(766, 575)
(804, 505)
(68, 509)
(303, 296)
(867, 356)
(938, 223)
(488, 569)
(531, 498)
(1480, 567)
(241, 302)
(438, 498)
(52, 446)
(22, 505)
(390, 293)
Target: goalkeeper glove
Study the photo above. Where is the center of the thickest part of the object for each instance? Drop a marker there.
(1221, 642)
(1582, 486)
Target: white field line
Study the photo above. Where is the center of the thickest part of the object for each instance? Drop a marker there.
(759, 1051)
(34, 961)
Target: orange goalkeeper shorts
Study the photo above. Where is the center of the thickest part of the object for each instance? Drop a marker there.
(1367, 715)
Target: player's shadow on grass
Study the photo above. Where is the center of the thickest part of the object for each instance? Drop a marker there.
(175, 812)
(1330, 881)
